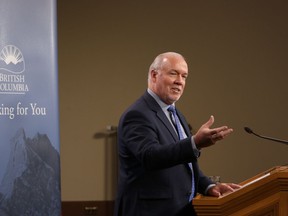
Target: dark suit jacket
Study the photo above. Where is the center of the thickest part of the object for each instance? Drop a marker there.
(154, 177)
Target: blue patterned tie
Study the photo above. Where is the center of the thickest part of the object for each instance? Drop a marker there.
(181, 135)
(176, 121)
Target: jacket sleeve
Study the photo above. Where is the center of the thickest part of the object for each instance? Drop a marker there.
(151, 143)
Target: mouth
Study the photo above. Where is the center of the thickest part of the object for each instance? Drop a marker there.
(176, 90)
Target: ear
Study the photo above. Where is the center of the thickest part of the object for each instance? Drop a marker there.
(153, 74)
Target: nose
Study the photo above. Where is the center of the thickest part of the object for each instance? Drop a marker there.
(180, 80)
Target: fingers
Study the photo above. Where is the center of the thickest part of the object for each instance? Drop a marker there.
(235, 186)
(219, 129)
(230, 187)
(223, 188)
(223, 130)
(220, 133)
(214, 192)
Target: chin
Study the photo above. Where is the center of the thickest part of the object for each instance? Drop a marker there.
(174, 100)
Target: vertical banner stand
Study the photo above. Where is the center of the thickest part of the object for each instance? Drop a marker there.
(29, 115)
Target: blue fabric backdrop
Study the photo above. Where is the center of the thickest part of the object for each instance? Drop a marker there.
(29, 115)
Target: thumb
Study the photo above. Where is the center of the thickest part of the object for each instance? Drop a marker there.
(210, 122)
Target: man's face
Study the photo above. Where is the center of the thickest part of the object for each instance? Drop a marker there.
(169, 81)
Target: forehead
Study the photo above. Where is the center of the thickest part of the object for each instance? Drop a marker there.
(175, 63)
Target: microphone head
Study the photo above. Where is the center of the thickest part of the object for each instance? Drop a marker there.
(248, 130)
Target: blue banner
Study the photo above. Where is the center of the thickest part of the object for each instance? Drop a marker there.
(29, 115)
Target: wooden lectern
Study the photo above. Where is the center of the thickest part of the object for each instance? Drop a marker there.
(266, 194)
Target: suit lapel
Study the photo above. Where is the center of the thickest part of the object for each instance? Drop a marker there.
(160, 114)
(184, 123)
(162, 117)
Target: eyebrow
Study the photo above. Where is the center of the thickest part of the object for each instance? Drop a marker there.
(177, 71)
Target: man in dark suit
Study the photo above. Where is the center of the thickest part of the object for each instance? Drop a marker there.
(159, 173)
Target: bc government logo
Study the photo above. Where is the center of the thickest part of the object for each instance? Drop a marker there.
(12, 68)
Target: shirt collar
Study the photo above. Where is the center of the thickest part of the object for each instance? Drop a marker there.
(163, 105)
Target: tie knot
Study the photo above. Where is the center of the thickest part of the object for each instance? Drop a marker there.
(172, 109)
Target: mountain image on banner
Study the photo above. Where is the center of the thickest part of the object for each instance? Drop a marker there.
(31, 184)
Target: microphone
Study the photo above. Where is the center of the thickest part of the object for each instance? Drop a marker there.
(248, 130)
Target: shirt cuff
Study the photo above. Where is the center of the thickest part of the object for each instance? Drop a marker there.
(196, 151)
(207, 189)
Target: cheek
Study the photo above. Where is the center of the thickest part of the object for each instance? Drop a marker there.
(167, 82)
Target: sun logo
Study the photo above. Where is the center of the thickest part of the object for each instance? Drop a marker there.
(12, 60)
